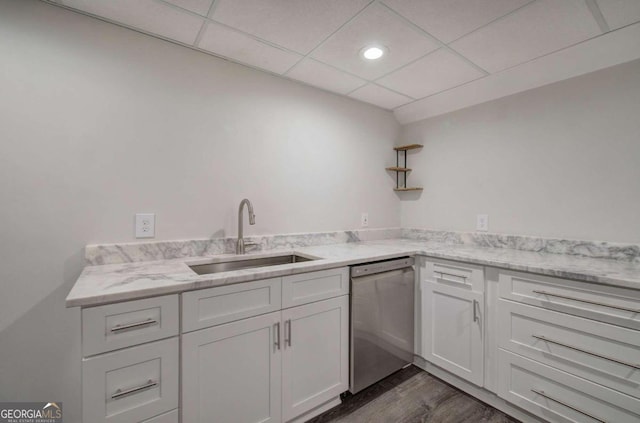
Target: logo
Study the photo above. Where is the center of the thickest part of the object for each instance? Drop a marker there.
(31, 412)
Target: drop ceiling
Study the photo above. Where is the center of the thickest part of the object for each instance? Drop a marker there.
(440, 53)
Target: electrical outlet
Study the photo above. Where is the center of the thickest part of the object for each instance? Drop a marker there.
(364, 220)
(482, 222)
(145, 225)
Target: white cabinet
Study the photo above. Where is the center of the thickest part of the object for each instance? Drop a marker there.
(232, 372)
(114, 326)
(568, 349)
(609, 304)
(563, 350)
(125, 376)
(234, 365)
(596, 351)
(452, 330)
(560, 397)
(314, 286)
(132, 384)
(605, 303)
(273, 367)
(214, 306)
(170, 417)
(236, 372)
(452, 318)
(315, 355)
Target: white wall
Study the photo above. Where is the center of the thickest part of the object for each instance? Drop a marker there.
(559, 161)
(98, 122)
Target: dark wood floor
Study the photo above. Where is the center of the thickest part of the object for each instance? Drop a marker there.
(412, 396)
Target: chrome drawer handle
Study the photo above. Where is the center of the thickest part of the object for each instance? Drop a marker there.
(287, 333)
(475, 314)
(587, 301)
(276, 335)
(120, 393)
(443, 274)
(543, 394)
(615, 360)
(148, 322)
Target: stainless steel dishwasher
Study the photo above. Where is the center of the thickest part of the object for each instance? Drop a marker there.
(382, 302)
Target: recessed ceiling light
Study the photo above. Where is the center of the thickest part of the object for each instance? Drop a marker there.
(373, 52)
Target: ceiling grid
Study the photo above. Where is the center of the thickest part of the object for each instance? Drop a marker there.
(433, 47)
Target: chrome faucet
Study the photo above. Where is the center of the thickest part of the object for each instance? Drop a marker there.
(252, 221)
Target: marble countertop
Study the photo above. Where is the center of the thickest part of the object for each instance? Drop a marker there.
(129, 281)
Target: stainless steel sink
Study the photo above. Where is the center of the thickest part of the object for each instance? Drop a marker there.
(250, 263)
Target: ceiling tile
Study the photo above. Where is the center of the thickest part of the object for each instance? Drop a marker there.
(611, 49)
(324, 76)
(201, 7)
(535, 30)
(245, 49)
(448, 20)
(297, 25)
(619, 13)
(376, 25)
(146, 15)
(380, 96)
(434, 73)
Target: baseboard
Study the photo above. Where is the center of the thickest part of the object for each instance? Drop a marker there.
(317, 411)
(477, 392)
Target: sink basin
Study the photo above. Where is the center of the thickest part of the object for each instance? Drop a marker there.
(250, 263)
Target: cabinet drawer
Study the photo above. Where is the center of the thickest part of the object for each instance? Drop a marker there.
(170, 417)
(114, 326)
(223, 304)
(557, 396)
(461, 275)
(618, 306)
(315, 286)
(132, 384)
(602, 353)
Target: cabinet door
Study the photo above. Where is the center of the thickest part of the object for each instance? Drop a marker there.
(315, 355)
(232, 372)
(452, 325)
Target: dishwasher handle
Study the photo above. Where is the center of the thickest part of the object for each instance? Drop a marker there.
(380, 267)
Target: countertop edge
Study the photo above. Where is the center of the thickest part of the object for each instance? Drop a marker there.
(323, 264)
(313, 266)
